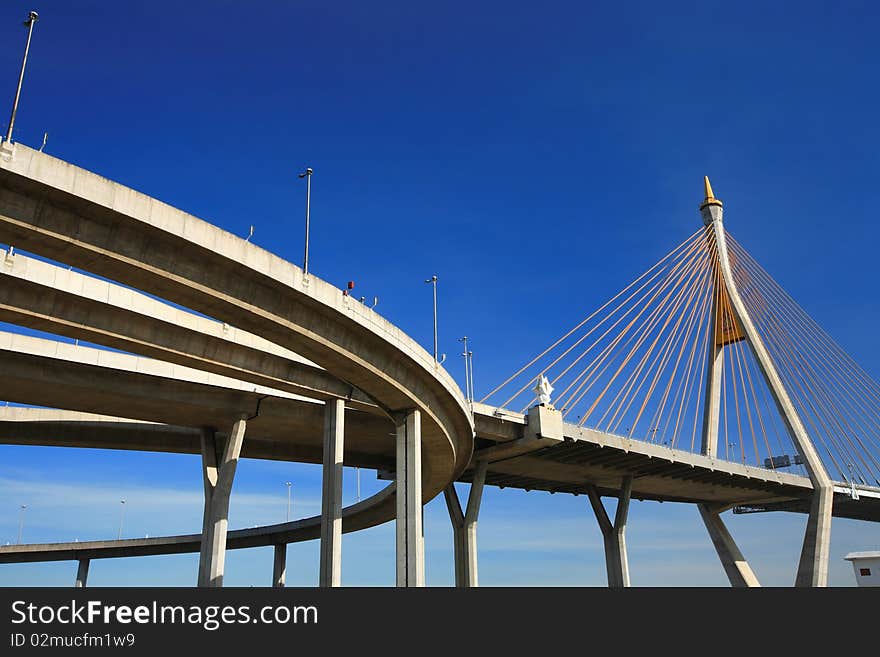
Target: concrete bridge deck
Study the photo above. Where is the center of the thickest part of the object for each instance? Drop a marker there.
(587, 457)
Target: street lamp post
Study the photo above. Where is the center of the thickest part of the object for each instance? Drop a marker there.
(29, 24)
(470, 357)
(121, 518)
(288, 500)
(308, 176)
(467, 375)
(433, 282)
(21, 521)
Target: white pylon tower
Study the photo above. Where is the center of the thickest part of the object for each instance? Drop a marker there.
(813, 566)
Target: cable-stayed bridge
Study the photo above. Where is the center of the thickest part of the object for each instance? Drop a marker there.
(700, 382)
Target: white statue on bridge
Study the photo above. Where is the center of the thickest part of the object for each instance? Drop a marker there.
(543, 390)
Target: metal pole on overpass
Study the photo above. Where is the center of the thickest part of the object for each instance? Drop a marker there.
(21, 521)
(121, 519)
(433, 281)
(308, 176)
(29, 24)
(467, 371)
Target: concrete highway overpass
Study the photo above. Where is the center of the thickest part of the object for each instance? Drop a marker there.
(307, 373)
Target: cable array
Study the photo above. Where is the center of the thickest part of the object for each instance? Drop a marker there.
(837, 400)
(639, 367)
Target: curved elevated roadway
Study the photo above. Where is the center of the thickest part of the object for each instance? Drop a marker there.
(62, 212)
(68, 214)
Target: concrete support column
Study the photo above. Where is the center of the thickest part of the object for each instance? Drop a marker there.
(410, 537)
(209, 445)
(461, 558)
(613, 535)
(735, 565)
(279, 567)
(82, 574)
(464, 527)
(219, 473)
(813, 566)
(331, 494)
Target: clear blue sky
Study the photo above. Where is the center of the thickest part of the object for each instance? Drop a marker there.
(535, 156)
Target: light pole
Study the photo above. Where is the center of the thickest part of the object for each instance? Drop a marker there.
(433, 282)
(308, 176)
(470, 357)
(357, 472)
(121, 518)
(21, 521)
(29, 24)
(467, 375)
(288, 500)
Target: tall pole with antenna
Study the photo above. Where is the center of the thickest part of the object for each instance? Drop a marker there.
(29, 24)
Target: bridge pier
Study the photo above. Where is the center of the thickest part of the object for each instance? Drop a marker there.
(813, 566)
(331, 494)
(613, 536)
(218, 471)
(279, 566)
(735, 565)
(464, 527)
(82, 574)
(410, 530)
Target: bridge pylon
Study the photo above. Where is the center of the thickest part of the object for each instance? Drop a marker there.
(813, 566)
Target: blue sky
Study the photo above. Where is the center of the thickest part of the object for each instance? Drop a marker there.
(536, 157)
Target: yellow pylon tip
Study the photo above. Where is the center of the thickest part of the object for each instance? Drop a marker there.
(710, 197)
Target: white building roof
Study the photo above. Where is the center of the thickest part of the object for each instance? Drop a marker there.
(852, 556)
